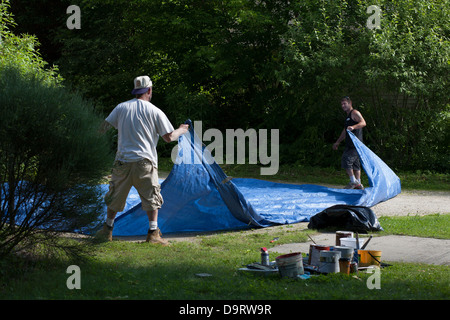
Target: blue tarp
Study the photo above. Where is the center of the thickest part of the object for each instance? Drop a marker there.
(198, 195)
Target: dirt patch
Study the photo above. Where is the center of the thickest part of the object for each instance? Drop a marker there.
(414, 203)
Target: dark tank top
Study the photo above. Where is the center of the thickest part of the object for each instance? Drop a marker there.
(358, 132)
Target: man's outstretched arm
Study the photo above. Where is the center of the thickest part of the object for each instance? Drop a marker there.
(173, 136)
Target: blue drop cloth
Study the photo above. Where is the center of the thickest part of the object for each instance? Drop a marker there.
(198, 195)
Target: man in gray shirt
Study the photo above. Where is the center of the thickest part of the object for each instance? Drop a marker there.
(139, 124)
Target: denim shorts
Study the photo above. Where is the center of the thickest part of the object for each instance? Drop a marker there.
(350, 160)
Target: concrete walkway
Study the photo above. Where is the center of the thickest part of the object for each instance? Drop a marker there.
(393, 248)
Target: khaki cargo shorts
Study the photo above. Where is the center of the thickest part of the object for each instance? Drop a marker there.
(143, 176)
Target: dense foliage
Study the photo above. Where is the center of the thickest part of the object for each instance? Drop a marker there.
(52, 155)
(270, 64)
(21, 51)
(51, 161)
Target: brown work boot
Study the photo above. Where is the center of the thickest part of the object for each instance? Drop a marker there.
(104, 234)
(154, 236)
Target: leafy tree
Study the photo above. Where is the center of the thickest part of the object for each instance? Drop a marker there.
(397, 75)
(208, 60)
(408, 73)
(21, 51)
(277, 64)
(41, 18)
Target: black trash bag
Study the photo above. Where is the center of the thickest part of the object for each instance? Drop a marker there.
(351, 218)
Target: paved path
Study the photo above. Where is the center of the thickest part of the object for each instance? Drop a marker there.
(393, 248)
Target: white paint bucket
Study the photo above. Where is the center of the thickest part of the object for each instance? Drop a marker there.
(329, 261)
(346, 252)
(314, 253)
(290, 265)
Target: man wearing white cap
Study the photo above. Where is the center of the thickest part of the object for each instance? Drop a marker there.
(139, 124)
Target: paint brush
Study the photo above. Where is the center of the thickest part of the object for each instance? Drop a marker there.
(357, 241)
(366, 243)
(311, 238)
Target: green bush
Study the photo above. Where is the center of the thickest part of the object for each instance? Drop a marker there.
(51, 154)
(52, 157)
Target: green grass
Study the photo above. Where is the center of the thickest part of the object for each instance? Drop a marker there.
(418, 180)
(435, 225)
(132, 270)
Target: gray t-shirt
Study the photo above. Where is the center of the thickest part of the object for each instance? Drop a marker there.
(140, 124)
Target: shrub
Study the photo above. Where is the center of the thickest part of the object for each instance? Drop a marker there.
(51, 160)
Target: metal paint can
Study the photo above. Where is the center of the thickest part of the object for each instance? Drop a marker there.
(353, 267)
(314, 253)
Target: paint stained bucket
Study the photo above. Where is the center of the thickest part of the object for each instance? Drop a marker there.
(342, 234)
(346, 252)
(344, 265)
(290, 265)
(314, 253)
(369, 258)
(329, 261)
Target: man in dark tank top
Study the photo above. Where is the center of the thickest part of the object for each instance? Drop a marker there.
(354, 122)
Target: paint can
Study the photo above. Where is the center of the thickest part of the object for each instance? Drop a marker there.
(290, 265)
(344, 265)
(342, 234)
(369, 258)
(329, 261)
(314, 253)
(346, 252)
(353, 267)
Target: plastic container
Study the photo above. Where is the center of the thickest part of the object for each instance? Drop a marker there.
(369, 258)
(290, 265)
(351, 242)
(346, 252)
(314, 253)
(329, 261)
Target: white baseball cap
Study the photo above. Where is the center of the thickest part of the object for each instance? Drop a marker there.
(141, 85)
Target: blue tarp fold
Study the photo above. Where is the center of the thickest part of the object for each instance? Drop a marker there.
(198, 195)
